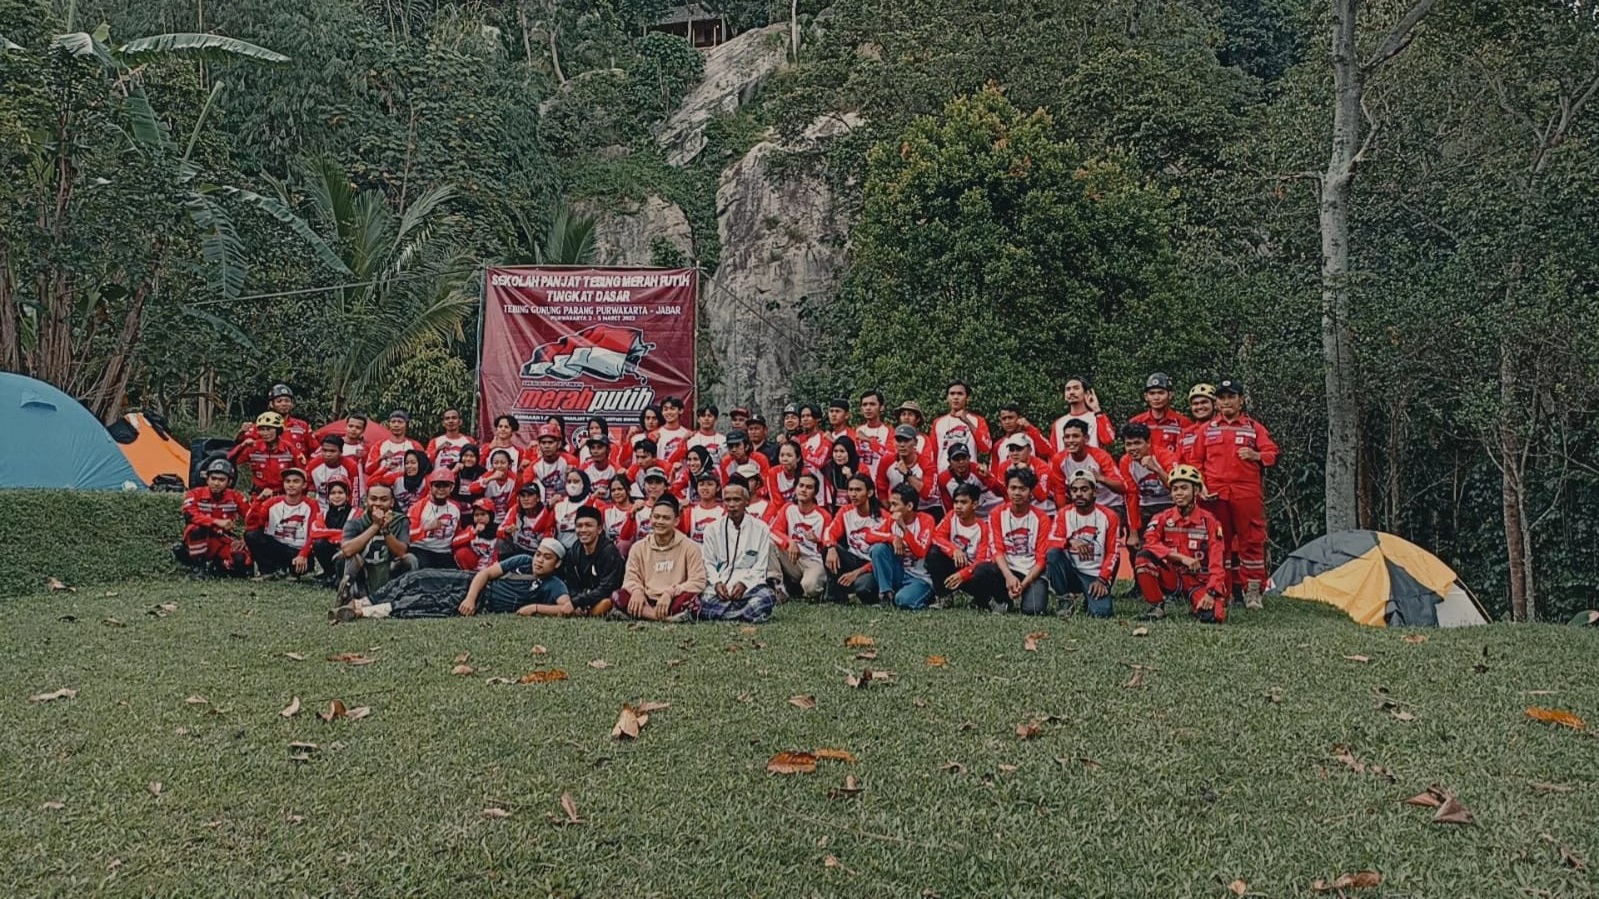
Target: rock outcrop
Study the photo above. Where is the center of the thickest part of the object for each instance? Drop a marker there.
(626, 236)
(733, 72)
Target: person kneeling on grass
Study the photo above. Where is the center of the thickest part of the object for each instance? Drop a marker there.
(1184, 554)
(737, 552)
(665, 571)
(504, 588)
(899, 550)
(1082, 562)
(593, 567)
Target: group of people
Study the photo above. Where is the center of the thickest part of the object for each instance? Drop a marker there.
(857, 501)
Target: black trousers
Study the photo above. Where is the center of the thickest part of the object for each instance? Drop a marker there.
(429, 558)
(270, 555)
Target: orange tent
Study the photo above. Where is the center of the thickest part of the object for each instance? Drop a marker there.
(150, 449)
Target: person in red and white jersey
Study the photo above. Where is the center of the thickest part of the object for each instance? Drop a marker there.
(706, 509)
(445, 449)
(899, 550)
(1233, 453)
(576, 493)
(815, 444)
(799, 530)
(644, 459)
(905, 467)
(1076, 455)
(504, 438)
(1018, 537)
(783, 478)
(848, 561)
(468, 468)
(1083, 554)
(617, 515)
(959, 425)
(435, 521)
(1144, 468)
(332, 467)
(740, 453)
(1202, 408)
(296, 432)
(328, 534)
(671, 438)
(1166, 425)
(1016, 451)
(649, 421)
(874, 437)
(1184, 554)
(655, 487)
(686, 476)
(960, 544)
(210, 515)
(713, 441)
(475, 544)
(551, 463)
(1082, 403)
(499, 484)
(961, 471)
(386, 460)
(838, 419)
(1012, 423)
(278, 529)
(594, 427)
(267, 455)
(527, 522)
(843, 462)
(599, 467)
(355, 447)
(411, 484)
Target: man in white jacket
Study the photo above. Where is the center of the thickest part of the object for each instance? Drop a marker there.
(738, 558)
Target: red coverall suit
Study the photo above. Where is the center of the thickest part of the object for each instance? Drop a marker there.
(209, 521)
(1196, 534)
(1239, 489)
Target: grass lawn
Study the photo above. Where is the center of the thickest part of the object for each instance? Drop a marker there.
(1219, 767)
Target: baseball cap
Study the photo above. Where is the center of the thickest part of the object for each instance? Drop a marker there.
(1083, 474)
(1229, 385)
(791, 409)
(906, 432)
(598, 440)
(441, 476)
(739, 410)
(1157, 381)
(298, 471)
(484, 505)
(737, 437)
(654, 474)
(531, 488)
(757, 419)
(550, 429)
(959, 451)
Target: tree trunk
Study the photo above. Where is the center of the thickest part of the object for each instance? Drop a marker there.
(1513, 493)
(10, 317)
(1337, 335)
(793, 29)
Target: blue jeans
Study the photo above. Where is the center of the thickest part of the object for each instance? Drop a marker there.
(1066, 580)
(909, 593)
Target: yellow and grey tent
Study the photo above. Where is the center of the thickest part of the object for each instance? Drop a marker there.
(1380, 580)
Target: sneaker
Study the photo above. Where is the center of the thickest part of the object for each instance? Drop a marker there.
(680, 617)
(616, 615)
(1068, 606)
(998, 606)
(602, 608)
(1155, 613)
(1252, 596)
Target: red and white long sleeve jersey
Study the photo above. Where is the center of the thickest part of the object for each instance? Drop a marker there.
(697, 517)
(1089, 540)
(1018, 541)
(917, 536)
(434, 525)
(807, 530)
(848, 530)
(971, 539)
(445, 451)
(948, 430)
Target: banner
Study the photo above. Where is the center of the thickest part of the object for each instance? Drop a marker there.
(584, 343)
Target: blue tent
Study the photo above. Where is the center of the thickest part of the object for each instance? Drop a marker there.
(48, 439)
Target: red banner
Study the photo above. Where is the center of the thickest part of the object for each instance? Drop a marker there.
(584, 343)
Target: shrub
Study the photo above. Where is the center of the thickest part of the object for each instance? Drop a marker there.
(85, 538)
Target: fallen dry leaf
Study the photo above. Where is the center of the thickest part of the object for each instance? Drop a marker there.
(802, 702)
(646, 707)
(837, 755)
(1361, 659)
(1452, 812)
(154, 787)
(357, 713)
(1568, 858)
(214, 823)
(1399, 715)
(1432, 797)
(628, 724)
(353, 659)
(831, 861)
(1027, 730)
(1238, 888)
(1009, 769)
(1554, 788)
(599, 664)
(1137, 680)
(110, 594)
(953, 767)
(463, 670)
(1414, 639)
(294, 656)
(55, 583)
(197, 699)
(538, 650)
(462, 657)
(1087, 762)
(919, 702)
(542, 677)
(293, 819)
(181, 731)
(1360, 880)
(1030, 642)
(866, 656)
(496, 813)
(301, 746)
(162, 610)
(292, 709)
(336, 710)
(114, 622)
(937, 661)
(498, 680)
(859, 641)
(852, 787)
(569, 805)
(1346, 755)
(63, 693)
(53, 806)
(113, 864)
(791, 763)
(1556, 716)
(749, 630)
(1140, 631)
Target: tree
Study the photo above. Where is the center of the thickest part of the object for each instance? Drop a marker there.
(1348, 150)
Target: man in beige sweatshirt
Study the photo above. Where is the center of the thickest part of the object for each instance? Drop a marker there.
(665, 571)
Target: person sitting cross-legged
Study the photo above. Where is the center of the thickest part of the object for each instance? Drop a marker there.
(524, 585)
(665, 571)
(592, 569)
(278, 529)
(737, 552)
(1184, 554)
(899, 550)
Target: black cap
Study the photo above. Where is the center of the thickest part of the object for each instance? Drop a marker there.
(757, 419)
(740, 410)
(838, 403)
(1229, 385)
(737, 437)
(791, 409)
(531, 488)
(598, 440)
(959, 451)
(654, 474)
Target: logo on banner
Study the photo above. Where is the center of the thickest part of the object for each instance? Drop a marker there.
(607, 352)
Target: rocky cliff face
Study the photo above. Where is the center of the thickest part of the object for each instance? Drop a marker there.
(782, 237)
